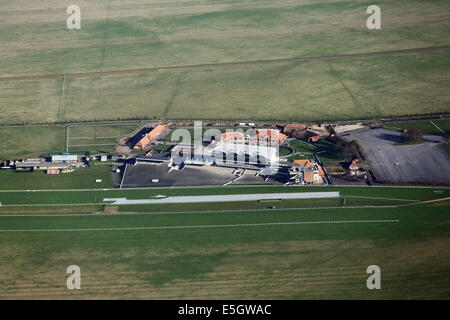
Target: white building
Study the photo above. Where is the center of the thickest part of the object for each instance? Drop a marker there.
(69, 158)
(227, 153)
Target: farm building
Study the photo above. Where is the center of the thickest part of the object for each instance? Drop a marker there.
(150, 137)
(261, 136)
(40, 165)
(232, 136)
(270, 137)
(57, 162)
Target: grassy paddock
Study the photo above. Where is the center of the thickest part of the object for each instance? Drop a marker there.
(35, 42)
(96, 196)
(200, 207)
(83, 178)
(325, 261)
(33, 141)
(27, 141)
(425, 126)
(98, 137)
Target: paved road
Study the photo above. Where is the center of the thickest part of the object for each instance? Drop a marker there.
(428, 162)
(227, 64)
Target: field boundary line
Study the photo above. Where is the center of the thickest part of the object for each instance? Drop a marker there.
(229, 187)
(125, 213)
(107, 123)
(381, 198)
(51, 204)
(230, 64)
(123, 177)
(434, 124)
(67, 138)
(61, 100)
(424, 202)
(92, 145)
(206, 226)
(91, 138)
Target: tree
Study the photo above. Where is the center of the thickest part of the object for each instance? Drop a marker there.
(412, 135)
(347, 148)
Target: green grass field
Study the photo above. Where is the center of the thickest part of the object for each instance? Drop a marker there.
(129, 35)
(34, 141)
(29, 141)
(323, 149)
(88, 197)
(97, 137)
(331, 157)
(235, 255)
(425, 126)
(302, 146)
(83, 178)
(182, 60)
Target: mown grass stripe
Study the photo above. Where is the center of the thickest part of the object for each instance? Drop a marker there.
(193, 211)
(240, 225)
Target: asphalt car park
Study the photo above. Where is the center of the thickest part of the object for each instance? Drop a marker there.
(427, 162)
(160, 175)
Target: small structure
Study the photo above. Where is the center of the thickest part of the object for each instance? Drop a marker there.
(65, 158)
(347, 128)
(293, 127)
(57, 164)
(355, 169)
(306, 172)
(41, 165)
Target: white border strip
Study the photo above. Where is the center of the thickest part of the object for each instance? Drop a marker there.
(434, 124)
(123, 177)
(380, 198)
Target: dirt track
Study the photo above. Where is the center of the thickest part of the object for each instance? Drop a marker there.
(228, 64)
